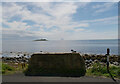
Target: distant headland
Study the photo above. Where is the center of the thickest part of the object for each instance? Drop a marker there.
(41, 40)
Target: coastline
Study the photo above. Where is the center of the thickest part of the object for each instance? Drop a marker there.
(17, 57)
(21, 62)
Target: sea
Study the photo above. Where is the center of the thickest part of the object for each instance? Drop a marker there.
(81, 46)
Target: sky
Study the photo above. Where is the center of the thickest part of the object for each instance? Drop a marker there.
(59, 20)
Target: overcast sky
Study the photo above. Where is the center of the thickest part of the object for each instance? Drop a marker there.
(59, 20)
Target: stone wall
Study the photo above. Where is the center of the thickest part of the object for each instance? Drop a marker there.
(56, 64)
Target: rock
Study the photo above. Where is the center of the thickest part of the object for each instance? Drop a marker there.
(90, 61)
(95, 61)
(57, 64)
(16, 63)
(116, 63)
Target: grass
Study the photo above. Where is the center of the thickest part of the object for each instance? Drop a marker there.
(11, 68)
(98, 69)
(7, 68)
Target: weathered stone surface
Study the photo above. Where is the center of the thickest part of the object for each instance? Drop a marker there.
(56, 64)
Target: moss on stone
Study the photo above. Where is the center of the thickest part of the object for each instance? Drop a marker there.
(57, 64)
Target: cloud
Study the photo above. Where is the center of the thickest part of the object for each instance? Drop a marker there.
(77, 30)
(107, 20)
(104, 7)
(51, 20)
(17, 25)
(60, 1)
(47, 16)
(0, 25)
(0, 14)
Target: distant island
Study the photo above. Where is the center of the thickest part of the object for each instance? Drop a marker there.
(41, 40)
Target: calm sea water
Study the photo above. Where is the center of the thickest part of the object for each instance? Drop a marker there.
(83, 46)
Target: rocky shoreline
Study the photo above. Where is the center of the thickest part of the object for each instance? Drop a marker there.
(91, 59)
(23, 57)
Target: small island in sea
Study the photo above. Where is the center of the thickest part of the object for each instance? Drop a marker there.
(41, 40)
